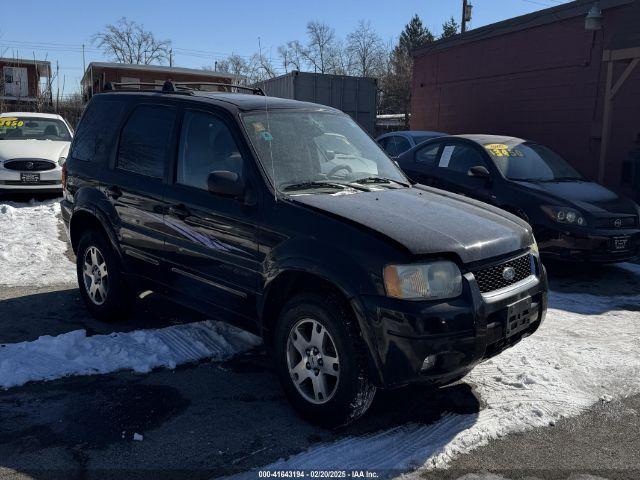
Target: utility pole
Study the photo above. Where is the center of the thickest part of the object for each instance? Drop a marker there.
(466, 15)
(171, 57)
(84, 66)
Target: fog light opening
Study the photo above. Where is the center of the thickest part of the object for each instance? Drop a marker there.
(429, 362)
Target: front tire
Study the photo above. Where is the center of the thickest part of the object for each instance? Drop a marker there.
(102, 285)
(320, 360)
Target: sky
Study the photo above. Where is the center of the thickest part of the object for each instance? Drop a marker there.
(205, 31)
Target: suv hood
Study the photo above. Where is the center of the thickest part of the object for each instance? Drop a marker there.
(47, 149)
(428, 221)
(590, 197)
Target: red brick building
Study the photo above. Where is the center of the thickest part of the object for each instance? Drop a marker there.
(100, 73)
(21, 79)
(543, 77)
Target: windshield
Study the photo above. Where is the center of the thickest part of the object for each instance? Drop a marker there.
(33, 128)
(317, 150)
(530, 162)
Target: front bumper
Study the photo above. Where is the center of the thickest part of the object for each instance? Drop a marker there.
(460, 333)
(605, 246)
(50, 180)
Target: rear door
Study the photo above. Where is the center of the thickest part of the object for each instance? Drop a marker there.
(212, 240)
(421, 167)
(135, 184)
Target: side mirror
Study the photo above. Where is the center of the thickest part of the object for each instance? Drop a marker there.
(479, 171)
(330, 155)
(225, 184)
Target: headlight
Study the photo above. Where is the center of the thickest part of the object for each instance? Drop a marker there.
(426, 281)
(62, 161)
(565, 215)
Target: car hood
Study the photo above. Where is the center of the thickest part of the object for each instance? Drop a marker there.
(429, 221)
(587, 196)
(47, 149)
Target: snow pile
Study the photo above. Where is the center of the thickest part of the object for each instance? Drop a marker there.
(73, 353)
(31, 253)
(587, 350)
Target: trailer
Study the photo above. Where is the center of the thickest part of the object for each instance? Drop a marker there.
(356, 96)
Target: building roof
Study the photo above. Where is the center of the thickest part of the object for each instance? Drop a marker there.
(542, 17)
(44, 67)
(163, 69)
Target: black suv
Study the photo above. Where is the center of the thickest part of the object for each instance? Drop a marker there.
(242, 207)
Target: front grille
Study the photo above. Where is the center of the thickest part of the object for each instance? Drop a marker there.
(616, 222)
(492, 278)
(30, 165)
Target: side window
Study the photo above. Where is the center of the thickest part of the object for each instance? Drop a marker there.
(144, 140)
(460, 158)
(397, 145)
(97, 131)
(428, 155)
(206, 145)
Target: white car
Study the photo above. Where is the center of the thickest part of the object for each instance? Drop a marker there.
(33, 148)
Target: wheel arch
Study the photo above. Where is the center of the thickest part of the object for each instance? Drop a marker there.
(84, 219)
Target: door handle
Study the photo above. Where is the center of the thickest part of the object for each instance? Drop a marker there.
(179, 211)
(113, 192)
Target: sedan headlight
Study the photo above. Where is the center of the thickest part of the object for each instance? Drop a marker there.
(426, 281)
(568, 216)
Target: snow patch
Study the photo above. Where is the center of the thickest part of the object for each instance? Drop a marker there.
(74, 353)
(587, 350)
(31, 253)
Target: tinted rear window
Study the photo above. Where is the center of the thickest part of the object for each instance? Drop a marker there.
(97, 130)
(144, 140)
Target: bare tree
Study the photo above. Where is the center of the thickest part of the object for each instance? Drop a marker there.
(128, 42)
(291, 56)
(366, 50)
(320, 47)
(234, 64)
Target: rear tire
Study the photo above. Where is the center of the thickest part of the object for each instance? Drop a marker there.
(102, 285)
(320, 360)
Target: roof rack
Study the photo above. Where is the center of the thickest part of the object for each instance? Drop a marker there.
(185, 88)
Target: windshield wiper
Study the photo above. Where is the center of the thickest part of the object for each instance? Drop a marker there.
(312, 185)
(378, 180)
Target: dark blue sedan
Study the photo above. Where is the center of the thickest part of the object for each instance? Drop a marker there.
(395, 143)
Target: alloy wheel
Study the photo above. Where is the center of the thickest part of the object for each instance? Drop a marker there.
(312, 360)
(95, 275)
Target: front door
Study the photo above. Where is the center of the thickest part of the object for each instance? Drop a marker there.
(212, 240)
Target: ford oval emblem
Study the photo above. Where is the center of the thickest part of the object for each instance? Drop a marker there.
(618, 223)
(29, 165)
(508, 274)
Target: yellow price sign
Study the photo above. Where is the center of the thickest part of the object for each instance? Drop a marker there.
(11, 122)
(502, 150)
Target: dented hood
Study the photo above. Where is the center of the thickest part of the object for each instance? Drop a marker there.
(429, 221)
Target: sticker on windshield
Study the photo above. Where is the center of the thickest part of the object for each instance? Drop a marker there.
(266, 136)
(502, 150)
(11, 122)
(258, 127)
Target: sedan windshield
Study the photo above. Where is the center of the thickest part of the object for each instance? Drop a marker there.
(532, 162)
(33, 128)
(318, 152)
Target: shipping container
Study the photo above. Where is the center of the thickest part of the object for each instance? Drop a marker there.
(356, 96)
